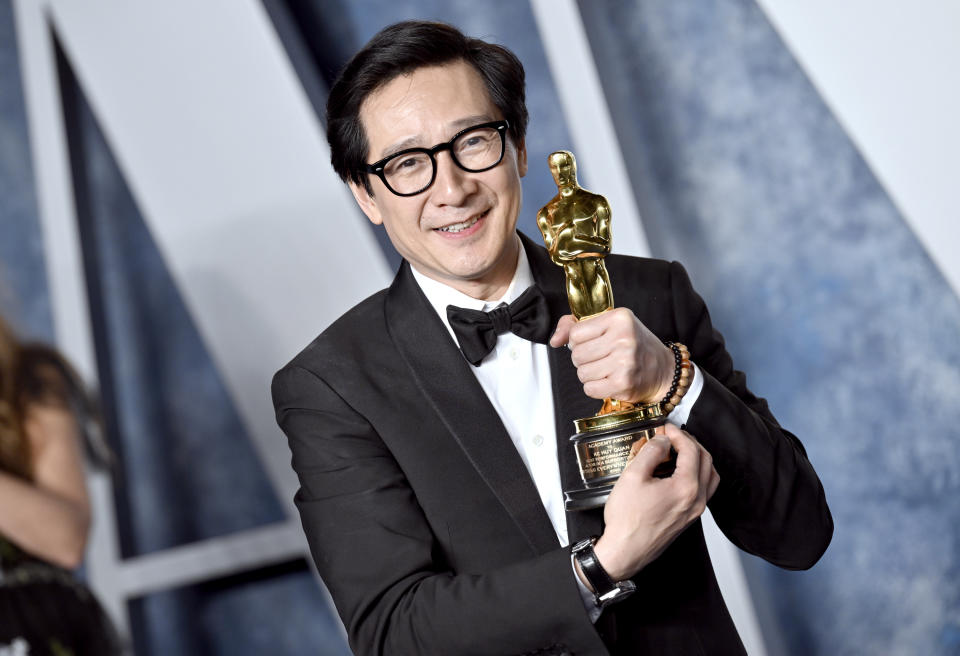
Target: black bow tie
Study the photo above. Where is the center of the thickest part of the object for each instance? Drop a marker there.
(477, 331)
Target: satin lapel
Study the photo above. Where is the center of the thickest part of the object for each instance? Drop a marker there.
(462, 407)
(569, 401)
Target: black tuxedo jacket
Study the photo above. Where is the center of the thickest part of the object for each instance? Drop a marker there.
(428, 530)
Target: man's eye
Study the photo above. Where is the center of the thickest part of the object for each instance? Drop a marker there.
(406, 164)
(474, 141)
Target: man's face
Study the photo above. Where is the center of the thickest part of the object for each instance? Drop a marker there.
(460, 231)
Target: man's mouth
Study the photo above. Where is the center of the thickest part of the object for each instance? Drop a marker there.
(463, 225)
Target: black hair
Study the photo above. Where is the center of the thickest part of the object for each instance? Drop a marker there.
(400, 49)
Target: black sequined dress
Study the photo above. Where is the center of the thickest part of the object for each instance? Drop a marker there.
(45, 610)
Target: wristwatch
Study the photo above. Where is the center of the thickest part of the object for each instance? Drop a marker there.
(606, 590)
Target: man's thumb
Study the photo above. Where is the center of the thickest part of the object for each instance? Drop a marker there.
(562, 333)
(651, 454)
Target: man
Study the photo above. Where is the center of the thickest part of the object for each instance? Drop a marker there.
(431, 475)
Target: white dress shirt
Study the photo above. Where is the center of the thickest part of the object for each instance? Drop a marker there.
(516, 379)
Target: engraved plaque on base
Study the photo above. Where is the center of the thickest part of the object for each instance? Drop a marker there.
(604, 444)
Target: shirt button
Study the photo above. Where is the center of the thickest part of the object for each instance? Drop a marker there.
(513, 354)
(538, 440)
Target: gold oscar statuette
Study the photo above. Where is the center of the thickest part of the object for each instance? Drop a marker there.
(576, 230)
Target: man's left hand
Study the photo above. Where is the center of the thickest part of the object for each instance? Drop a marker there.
(616, 356)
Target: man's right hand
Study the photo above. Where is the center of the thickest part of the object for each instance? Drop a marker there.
(644, 514)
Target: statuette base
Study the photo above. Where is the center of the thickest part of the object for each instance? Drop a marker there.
(604, 444)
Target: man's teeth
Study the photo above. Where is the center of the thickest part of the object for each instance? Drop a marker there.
(457, 227)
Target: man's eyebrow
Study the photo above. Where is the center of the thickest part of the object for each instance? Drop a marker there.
(467, 121)
(454, 127)
(410, 142)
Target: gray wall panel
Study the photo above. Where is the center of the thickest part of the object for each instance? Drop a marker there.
(24, 300)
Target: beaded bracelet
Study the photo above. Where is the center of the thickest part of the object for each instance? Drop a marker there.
(682, 376)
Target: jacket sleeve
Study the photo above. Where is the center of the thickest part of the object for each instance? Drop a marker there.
(770, 502)
(375, 550)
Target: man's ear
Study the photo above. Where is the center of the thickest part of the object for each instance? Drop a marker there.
(522, 157)
(366, 202)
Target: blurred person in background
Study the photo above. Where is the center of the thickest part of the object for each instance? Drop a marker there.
(46, 420)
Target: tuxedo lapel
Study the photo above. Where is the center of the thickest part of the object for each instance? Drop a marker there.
(462, 407)
(569, 401)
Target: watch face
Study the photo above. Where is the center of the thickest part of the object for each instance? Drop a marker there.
(622, 590)
(584, 544)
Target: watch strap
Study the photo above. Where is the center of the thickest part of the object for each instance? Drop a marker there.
(606, 590)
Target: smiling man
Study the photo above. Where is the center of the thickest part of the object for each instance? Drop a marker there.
(428, 424)
(463, 232)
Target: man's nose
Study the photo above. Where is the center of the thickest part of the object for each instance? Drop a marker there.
(453, 185)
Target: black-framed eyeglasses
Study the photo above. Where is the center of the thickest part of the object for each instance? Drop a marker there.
(412, 171)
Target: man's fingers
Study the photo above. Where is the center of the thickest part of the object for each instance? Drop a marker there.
(706, 472)
(593, 371)
(707, 477)
(592, 327)
(713, 484)
(688, 451)
(652, 454)
(562, 333)
(593, 350)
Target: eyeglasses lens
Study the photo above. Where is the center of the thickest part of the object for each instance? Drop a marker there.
(478, 149)
(475, 150)
(409, 172)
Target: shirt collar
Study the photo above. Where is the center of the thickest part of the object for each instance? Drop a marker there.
(441, 295)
